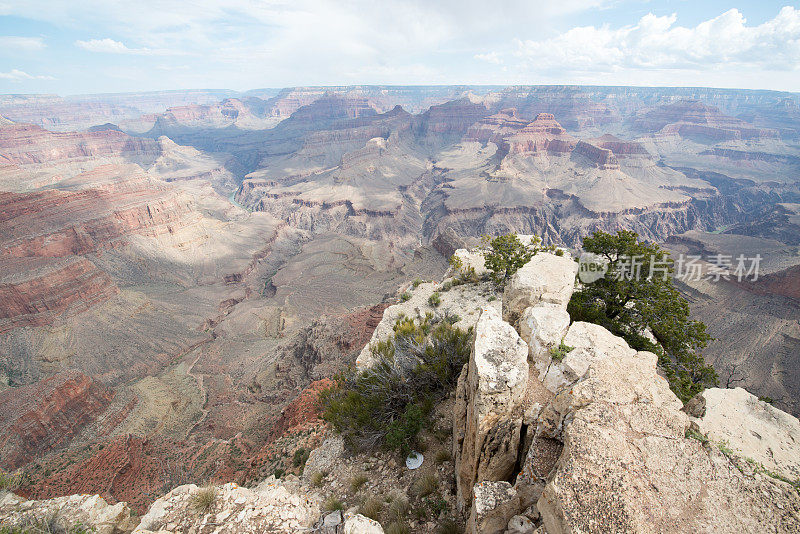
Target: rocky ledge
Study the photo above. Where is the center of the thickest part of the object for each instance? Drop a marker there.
(557, 427)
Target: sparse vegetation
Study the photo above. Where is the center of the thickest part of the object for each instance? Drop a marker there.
(204, 499)
(317, 478)
(448, 526)
(424, 486)
(415, 284)
(405, 297)
(357, 482)
(371, 508)
(300, 458)
(398, 507)
(505, 254)
(435, 299)
(9, 481)
(443, 456)
(333, 504)
(632, 304)
(54, 524)
(279, 472)
(397, 527)
(560, 352)
(391, 403)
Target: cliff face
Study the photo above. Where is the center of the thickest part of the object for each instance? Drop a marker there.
(41, 417)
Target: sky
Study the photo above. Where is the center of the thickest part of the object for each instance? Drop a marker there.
(97, 46)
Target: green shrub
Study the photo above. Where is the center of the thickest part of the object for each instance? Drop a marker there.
(405, 297)
(300, 457)
(9, 481)
(559, 353)
(435, 299)
(448, 526)
(278, 473)
(506, 254)
(415, 284)
(389, 404)
(204, 499)
(629, 306)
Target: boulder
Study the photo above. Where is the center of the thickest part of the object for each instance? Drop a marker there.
(627, 465)
(546, 278)
(268, 508)
(519, 524)
(90, 511)
(488, 412)
(471, 259)
(466, 301)
(493, 506)
(542, 328)
(753, 429)
(323, 458)
(358, 524)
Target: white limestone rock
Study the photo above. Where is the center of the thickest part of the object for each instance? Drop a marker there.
(358, 524)
(753, 429)
(488, 412)
(546, 278)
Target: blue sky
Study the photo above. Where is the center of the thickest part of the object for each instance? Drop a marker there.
(90, 46)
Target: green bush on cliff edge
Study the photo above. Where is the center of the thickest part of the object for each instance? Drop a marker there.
(390, 403)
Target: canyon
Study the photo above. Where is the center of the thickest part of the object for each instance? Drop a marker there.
(182, 269)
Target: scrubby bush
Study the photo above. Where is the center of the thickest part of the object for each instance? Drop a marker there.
(630, 305)
(397, 527)
(317, 478)
(204, 499)
(435, 299)
(371, 508)
(390, 403)
(448, 526)
(443, 456)
(357, 482)
(300, 457)
(425, 485)
(405, 297)
(333, 504)
(505, 254)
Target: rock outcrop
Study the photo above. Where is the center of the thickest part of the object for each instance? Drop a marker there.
(605, 444)
(488, 412)
(544, 134)
(73, 511)
(752, 428)
(270, 507)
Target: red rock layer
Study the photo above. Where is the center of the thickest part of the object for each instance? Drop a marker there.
(453, 117)
(544, 134)
(620, 147)
(38, 418)
(57, 223)
(26, 144)
(692, 118)
(496, 127)
(602, 158)
(35, 291)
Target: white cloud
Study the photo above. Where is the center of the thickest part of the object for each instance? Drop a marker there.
(110, 46)
(18, 75)
(24, 44)
(657, 43)
(491, 57)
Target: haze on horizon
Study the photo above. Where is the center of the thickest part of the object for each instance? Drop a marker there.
(52, 46)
